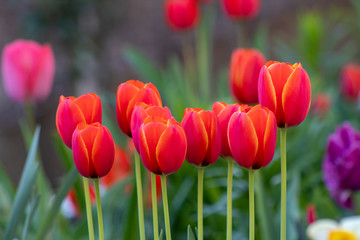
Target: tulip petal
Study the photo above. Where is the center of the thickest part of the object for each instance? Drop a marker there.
(296, 97)
(81, 156)
(103, 152)
(242, 139)
(171, 149)
(212, 128)
(149, 135)
(90, 105)
(266, 90)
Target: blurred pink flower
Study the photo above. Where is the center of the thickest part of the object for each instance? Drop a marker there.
(27, 70)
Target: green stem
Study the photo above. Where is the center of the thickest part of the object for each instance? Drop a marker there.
(139, 196)
(154, 206)
(166, 207)
(262, 211)
(189, 66)
(30, 116)
(99, 211)
(283, 183)
(88, 208)
(229, 199)
(251, 206)
(200, 202)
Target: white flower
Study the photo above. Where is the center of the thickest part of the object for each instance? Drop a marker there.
(327, 229)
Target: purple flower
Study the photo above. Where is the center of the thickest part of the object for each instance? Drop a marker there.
(341, 166)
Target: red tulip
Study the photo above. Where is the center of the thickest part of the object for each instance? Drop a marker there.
(245, 67)
(181, 14)
(285, 89)
(350, 80)
(120, 170)
(224, 112)
(129, 94)
(28, 70)
(162, 145)
(241, 9)
(93, 150)
(252, 137)
(321, 104)
(203, 136)
(141, 112)
(72, 111)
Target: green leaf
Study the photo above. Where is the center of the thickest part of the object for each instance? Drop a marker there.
(26, 185)
(190, 234)
(33, 205)
(65, 187)
(161, 236)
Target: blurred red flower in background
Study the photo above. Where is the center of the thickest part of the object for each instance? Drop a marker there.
(350, 80)
(241, 9)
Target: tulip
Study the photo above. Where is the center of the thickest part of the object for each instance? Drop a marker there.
(162, 145)
(321, 104)
(28, 70)
(341, 164)
(181, 14)
(350, 80)
(252, 141)
(93, 150)
(252, 137)
(140, 113)
(285, 89)
(224, 112)
(244, 72)
(203, 136)
(241, 9)
(72, 111)
(120, 170)
(129, 94)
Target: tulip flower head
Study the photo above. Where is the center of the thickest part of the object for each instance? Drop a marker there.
(244, 72)
(72, 111)
(129, 94)
(285, 89)
(321, 104)
(140, 113)
(162, 145)
(241, 9)
(181, 14)
(350, 81)
(341, 164)
(224, 112)
(203, 136)
(93, 150)
(28, 70)
(252, 137)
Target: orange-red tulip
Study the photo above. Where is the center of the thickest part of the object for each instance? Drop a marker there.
(241, 9)
(350, 80)
(93, 150)
(141, 112)
(252, 137)
(129, 94)
(321, 104)
(244, 72)
(203, 136)
(224, 112)
(181, 14)
(286, 90)
(120, 170)
(72, 111)
(162, 145)
(28, 70)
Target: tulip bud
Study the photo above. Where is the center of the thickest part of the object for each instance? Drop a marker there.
(28, 70)
(286, 90)
(245, 67)
(241, 9)
(350, 80)
(141, 112)
(203, 136)
(129, 94)
(252, 137)
(72, 111)
(162, 145)
(181, 14)
(93, 150)
(224, 112)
